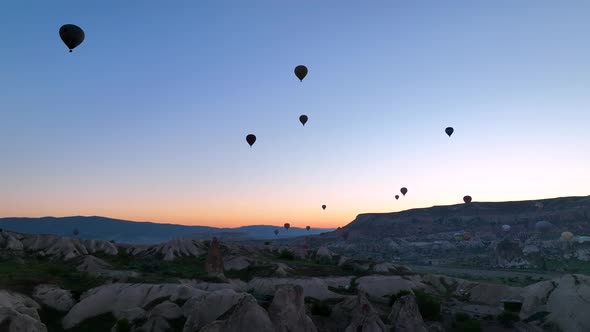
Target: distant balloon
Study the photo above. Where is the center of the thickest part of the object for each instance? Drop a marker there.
(251, 139)
(76, 231)
(449, 131)
(404, 190)
(396, 196)
(566, 236)
(303, 119)
(71, 35)
(276, 232)
(543, 226)
(307, 227)
(506, 228)
(467, 199)
(324, 206)
(301, 72)
(287, 225)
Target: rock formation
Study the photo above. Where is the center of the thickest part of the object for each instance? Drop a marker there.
(247, 316)
(54, 297)
(364, 317)
(214, 263)
(405, 316)
(287, 310)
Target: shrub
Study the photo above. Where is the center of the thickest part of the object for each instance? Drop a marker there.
(267, 243)
(508, 318)
(286, 254)
(321, 309)
(462, 317)
(469, 325)
(429, 305)
(123, 325)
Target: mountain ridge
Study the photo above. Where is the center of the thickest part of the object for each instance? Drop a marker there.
(119, 230)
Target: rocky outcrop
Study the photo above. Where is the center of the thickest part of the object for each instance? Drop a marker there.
(364, 317)
(377, 287)
(214, 263)
(93, 265)
(566, 299)
(204, 310)
(18, 313)
(282, 270)
(287, 310)
(247, 316)
(237, 263)
(118, 298)
(387, 267)
(323, 255)
(55, 246)
(160, 315)
(312, 287)
(54, 297)
(405, 316)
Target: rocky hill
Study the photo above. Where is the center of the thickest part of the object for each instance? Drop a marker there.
(566, 213)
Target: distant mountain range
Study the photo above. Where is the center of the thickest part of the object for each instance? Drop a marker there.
(125, 231)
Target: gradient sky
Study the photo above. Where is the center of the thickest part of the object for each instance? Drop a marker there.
(147, 119)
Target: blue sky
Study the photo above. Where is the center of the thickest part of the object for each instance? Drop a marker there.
(147, 118)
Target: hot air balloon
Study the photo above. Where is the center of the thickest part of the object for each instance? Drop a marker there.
(303, 119)
(449, 131)
(396, 196)
(301, 72)
(276, 232)
(506, 228)
(324, 206)
(71, 35)
(287, 225)
(566, 236)
(307, 227)
(467, 199)
(76, 232)
(251, 139)
(543, 226)
(404, 190)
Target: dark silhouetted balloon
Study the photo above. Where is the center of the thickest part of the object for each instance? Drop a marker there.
(449, 131)
(71, 35)
(303, 119)
(307, 227)
(76, 232)
(467, 199)
(287, 225)
(251, 139)
(276, 232)
(404, 190)
(301, 72)
(396, 196)
(324, 206)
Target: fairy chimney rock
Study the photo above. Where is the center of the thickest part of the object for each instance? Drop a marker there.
(214, 264)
